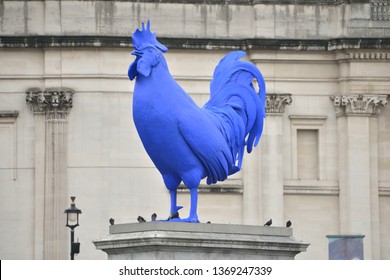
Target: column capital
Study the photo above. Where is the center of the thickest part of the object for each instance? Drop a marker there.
(50, 100)
(276, 102)
(359, 104)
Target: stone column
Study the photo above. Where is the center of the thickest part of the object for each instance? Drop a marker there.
(358, 167)
(50, 107)
(272, 159)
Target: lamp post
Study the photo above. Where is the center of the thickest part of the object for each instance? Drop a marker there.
(72, 221)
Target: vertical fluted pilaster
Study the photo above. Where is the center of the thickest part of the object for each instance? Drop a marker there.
(358, 167)
(263, 191)
(50, 107)
(272, 153)
(39, 182)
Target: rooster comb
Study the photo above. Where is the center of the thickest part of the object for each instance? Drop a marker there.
(144, 37)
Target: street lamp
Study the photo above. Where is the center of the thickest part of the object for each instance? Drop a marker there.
(72, 221)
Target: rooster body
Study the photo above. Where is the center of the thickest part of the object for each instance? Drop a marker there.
(185, 142)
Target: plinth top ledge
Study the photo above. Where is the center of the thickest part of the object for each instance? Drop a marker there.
(166, 240)
(201, 227)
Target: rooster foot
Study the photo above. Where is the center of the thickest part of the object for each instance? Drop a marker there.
(185, 220)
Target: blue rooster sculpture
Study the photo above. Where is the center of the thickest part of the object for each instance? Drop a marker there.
(185, 142)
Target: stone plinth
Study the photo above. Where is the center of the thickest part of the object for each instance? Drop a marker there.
(159, 240)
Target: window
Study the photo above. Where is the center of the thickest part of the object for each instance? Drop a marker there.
(307, 154)
(308, 147)
(8, 143)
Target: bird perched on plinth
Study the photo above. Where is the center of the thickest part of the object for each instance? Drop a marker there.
(154, 217)
(141, 219)
(289, 223)
(268, 223)
(111, 221)
(174, 216)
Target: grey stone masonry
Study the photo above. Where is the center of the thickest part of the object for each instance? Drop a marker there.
(159, 240)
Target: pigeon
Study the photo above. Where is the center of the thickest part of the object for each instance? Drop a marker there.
(289, 223)
(112, 221)
(141, 219)
(173, 216)
(268, 223)
(154, 217)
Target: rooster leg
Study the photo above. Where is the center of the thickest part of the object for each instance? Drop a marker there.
(174, 207)
(192, 180)
(172, 183)
(193, 217)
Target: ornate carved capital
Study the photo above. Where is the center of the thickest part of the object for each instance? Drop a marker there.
(276, 102)
(359, 104)
(51, 100)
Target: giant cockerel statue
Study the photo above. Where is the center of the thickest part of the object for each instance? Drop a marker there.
(185, 142)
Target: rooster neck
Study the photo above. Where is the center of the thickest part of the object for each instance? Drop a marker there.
(159, 75)
(158, 85)
(160, 90)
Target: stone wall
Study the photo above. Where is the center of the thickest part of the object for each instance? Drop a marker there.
(197, 19)
(326, 65)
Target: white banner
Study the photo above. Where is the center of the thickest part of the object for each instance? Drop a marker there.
(194, 269)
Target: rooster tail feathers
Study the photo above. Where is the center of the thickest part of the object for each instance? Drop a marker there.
(232, 70)
(232, 92)
(220, 75)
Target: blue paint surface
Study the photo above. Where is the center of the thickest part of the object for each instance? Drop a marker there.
(186, 142)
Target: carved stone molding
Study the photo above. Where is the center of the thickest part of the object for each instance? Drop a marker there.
(359, 104)
(51, 100)
(369, 55)
(380, 10)
(276, 102)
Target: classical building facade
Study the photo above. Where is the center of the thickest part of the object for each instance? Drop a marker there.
(66, 118)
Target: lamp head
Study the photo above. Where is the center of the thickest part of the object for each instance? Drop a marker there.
(72, 214)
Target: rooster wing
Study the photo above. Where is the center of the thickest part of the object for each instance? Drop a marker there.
(208, 145)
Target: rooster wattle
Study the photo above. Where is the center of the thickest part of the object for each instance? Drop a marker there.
(185, 142)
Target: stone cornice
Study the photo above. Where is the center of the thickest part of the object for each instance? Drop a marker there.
(251, 2)
(276, 102)
(43, 41)
(309, 2)
(9, 114)
(50, 100)
(359, 104)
